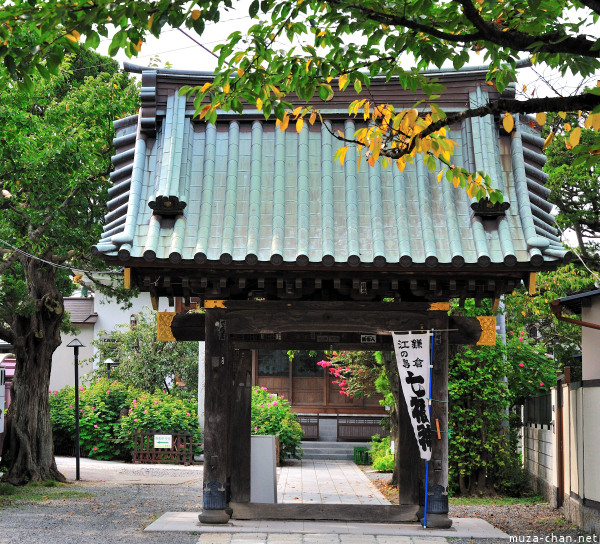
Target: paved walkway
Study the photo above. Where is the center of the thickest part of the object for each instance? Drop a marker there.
(326, 482)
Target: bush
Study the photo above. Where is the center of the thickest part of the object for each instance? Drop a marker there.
(110, 413)
(512, 479)
(382, 459)
(271, 415)
(161, 411)
(384, 463)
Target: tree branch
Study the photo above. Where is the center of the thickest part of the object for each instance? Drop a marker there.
(594, 5)
(7, 334)
(554, 42)
(7, 263)
(398, 20)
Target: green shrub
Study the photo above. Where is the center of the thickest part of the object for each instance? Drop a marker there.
(381, 455)
(160, 411)
(512, 479)
(384, 463)
(272, 415)
(109, 415)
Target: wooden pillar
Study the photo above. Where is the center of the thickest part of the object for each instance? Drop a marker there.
(239, 427)
(437, 491)
(216, 419)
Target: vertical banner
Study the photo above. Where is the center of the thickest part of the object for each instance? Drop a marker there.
(413, 351)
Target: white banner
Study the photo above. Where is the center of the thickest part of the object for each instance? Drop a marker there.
(413, 359)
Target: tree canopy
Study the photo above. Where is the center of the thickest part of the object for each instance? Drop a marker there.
(54, 174)
(314, 49)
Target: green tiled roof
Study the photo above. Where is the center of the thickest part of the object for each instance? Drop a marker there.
(249, 193)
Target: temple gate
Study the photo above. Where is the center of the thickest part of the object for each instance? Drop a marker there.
(279, 241)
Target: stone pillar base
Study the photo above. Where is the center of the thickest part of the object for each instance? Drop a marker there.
(435, 521)
(214, 517)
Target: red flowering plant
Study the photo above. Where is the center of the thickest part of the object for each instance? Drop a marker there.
(354, 372)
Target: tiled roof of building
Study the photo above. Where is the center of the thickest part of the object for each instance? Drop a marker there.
(255, 195)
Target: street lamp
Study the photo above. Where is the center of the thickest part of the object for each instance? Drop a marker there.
(109, 365)
(76, 344)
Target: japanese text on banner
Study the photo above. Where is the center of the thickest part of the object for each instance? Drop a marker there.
(413, 360)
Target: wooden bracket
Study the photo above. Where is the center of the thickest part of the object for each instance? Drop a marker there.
(439, 306)
(532, 282)
(214, 304)
(163, 326)
(127, 278)
(488, 330)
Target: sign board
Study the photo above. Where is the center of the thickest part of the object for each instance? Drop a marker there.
(163, 441)
(368, 338)
(2, 399)
(413, 360)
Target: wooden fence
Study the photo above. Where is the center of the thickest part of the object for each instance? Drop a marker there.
(156, 447)
(310, 426)
(359, 429)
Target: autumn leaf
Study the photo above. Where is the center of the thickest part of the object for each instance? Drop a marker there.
(342, 81)
(196, 14)
(540, 117)
(299, 125)
(575, 136)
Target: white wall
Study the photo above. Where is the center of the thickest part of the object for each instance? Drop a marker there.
(590, 341)
(110, 313)
(63, 371)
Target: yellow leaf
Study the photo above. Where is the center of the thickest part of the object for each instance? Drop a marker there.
(297, 111)
(299, 125)
(343, 152)
(150, 21)
(285, 122)
(72, 38)
(313, 117)
(524, 88)
(412, 115)
(138, 46)
(308, 64)
(508, 122)
(342, 81)
(401, 164)
(548, 140)
(329, 78)
(240, 72)
(567, 127)
(204, 111)
(575, 136)
(196, 14)
(366, 110)
(322, 33)
(205, 87)
(540, 118)
(439, 177)
(562, 114)
(226, 88)
(276, 91)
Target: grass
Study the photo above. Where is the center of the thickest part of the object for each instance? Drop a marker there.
(37, 492)
(497, 500)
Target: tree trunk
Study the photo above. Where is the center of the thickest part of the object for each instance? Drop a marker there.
(28, 450)
(392, 375)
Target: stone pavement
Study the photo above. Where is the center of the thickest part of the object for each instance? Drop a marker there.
(326, 482)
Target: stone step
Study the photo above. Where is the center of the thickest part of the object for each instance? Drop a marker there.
(333, 445)
(329, 456)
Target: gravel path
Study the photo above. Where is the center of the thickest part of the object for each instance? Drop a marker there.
(120, 503)
(116, 509)
(529, 520)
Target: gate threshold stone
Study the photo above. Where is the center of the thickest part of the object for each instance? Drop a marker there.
(187, 522)
(374, 513)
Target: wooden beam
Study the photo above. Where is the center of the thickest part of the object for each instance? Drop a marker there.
(127, 278)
